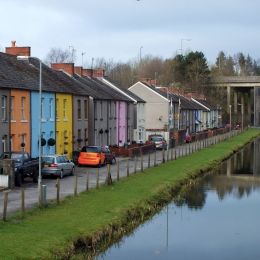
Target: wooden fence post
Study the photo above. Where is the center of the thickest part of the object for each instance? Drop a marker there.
(135, 166)
(22, 200)
(5, 205)
(171, 153)
(76, 184)
(109, 177)
(175, 153)
(58, 191)
(117, 171)
(97, 178)
(149, 159)
(163, 155)
(87, 180)
(155, 163)
(142, 162)
(127, 168)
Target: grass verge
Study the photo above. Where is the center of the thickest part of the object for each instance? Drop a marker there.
(100, 215)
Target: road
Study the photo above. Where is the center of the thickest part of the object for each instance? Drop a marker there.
(67, 184)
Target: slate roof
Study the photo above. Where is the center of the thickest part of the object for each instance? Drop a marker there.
(128, 92)
(206, 104)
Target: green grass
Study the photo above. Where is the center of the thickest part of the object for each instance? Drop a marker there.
(44, 230)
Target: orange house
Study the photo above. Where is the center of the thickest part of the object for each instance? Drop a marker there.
(20, 120)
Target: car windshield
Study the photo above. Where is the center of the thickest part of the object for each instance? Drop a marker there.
(48, 159)
(156, 138)
(91, 149)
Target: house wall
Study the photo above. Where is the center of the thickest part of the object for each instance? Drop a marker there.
(121, 122)
(80, 122)
(156, 108)
(64, 124)
(4, 120)
(139, 131)
(47, 124)
(20, 120)
(105, 118)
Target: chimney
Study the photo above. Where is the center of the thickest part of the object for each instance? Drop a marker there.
(98, 73)
(87, 72)
(78, 70)
(18, 51)
(66, 67)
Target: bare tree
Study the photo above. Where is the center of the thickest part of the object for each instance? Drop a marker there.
(58, 55)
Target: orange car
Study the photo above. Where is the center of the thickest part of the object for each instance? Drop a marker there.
(91, 155)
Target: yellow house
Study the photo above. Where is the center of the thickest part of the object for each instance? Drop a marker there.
(64, 124)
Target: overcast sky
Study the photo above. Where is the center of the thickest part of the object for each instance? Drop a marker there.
(116, 29)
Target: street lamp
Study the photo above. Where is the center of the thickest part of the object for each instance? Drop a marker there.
(182, 43)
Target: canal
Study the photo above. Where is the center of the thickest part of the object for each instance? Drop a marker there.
(216, 218)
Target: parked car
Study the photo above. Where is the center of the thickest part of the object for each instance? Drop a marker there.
(109, 156)
(24, 166)
(158, 141)
(57, 165)
(91, 155)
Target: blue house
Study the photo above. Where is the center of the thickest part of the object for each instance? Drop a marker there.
(48, 122)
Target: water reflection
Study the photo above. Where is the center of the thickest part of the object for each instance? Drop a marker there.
(218, 218)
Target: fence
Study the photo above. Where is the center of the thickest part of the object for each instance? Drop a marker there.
(95, 178)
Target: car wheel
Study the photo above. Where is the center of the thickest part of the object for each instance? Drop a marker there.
(61, 174)
(72, 171)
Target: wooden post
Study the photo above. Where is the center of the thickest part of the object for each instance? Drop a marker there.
(87, 180)
(76, 184)
(109, 178)
(135, 167)
(97, 178)
(22, 200)
(5, 205)
(127, 168)
(163, 155)
(155, 164)
(142, 162)
(149, 159)
(58, 191)
(168, 154)
(117, 171)
(171, 154)
(175, 153)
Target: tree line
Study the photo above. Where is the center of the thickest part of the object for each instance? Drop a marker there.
(189, 72)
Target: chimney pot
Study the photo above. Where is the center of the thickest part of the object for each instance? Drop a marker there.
(13, 43)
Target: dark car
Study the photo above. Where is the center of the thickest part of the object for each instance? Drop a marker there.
(109, 156)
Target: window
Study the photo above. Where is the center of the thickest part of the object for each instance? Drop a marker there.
(4, 143)
(23, 141)
(79, 108)
(65, 109)
(57, 109)
(12, 109)
(4, 111)
(86, 135)
(51, 109)
(95, 110)
(23, 108)
(79, 134)
(86, 109)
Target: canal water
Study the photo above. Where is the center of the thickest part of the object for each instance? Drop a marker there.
(218, 218)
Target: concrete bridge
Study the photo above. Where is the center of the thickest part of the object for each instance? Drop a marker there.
(243, 98)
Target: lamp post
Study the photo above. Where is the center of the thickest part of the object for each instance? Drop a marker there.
(40, 133)
(182, 42)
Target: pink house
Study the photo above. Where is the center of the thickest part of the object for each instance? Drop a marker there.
(121, 108)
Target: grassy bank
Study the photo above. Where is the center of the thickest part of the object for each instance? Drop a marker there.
(58, 230)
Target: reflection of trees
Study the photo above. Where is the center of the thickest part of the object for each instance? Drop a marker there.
(194, 196)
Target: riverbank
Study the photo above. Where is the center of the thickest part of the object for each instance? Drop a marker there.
(82, 222)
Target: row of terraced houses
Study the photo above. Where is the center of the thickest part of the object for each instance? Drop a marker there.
(83, 107)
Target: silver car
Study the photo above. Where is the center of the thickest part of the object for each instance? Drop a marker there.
(57, 165)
